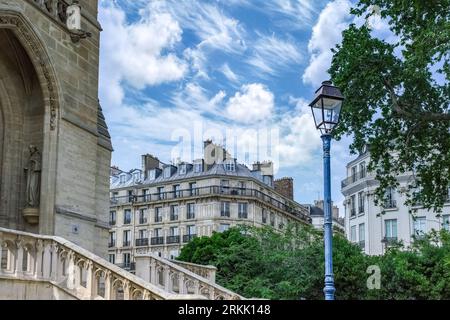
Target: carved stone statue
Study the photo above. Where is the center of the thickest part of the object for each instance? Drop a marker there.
(33, 172)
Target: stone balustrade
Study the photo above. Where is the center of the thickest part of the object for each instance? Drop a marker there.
(208, 272)
(176, 279)
(32, 258)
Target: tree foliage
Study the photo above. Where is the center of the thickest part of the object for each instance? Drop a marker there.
(262, 263)
(398, 95)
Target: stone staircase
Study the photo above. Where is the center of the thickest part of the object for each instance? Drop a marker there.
(49, 267)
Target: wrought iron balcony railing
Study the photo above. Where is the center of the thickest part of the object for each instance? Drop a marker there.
(214, 191)
(126, 243)
(112, 222)
(157, 240)
(111, 244)
(188, 237)
(354, 178)
(142, 220)
(141, 242)
(173, 239)
(390, 204)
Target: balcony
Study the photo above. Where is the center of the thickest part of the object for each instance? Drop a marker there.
(286, 206)
(353, 178)
(141, 242)
(156, 241)
(126, 243)
(111, 244)
(390, 204)
(173, 239)
(188, 237)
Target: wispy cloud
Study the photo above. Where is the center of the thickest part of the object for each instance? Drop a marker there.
(228, 73)
(272, 55)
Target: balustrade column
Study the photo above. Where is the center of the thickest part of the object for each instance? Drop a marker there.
(46, 261)
(70, 270)
(153, 272)
(108, 285)
(166, 278)
(38, 263)
(196, 287)
(18, 257)
(90, 280)
(181, 285)
(126, 290)
(54, 262)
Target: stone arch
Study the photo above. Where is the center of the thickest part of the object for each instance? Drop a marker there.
(18, 25)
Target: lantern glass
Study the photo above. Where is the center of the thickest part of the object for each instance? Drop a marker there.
(326, 107)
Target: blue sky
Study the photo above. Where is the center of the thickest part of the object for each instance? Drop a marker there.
(173, 73)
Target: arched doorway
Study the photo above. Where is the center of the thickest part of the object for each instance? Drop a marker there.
(22, 110)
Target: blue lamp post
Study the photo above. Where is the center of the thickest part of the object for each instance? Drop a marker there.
(326, 107)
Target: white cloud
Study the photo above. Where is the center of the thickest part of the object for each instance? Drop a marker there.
(134, 52)
(272, 54)
(228, 73)
(252, 104)
(333, 19)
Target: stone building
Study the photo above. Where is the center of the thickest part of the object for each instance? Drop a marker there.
(317, 216)
(376, 227)
(55, 148)
(162, 206)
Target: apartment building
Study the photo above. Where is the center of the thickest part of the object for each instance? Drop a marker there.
(161, 207)
(376, 227)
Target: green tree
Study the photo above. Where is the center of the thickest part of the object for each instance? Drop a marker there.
(398, 94)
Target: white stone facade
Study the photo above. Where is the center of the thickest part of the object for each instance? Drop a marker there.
(376, 227)
(145, 218)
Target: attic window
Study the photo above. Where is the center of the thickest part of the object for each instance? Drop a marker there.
(167, 172)
(137, 176)
(182, 169)
(230, 165)
(122, 178)
(198, 167)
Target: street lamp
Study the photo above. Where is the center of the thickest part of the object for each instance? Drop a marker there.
(326, 108)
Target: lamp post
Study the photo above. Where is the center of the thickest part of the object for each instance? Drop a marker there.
(326, 108)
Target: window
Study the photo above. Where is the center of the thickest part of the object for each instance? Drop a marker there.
(136, 176)
(126, 260)
(112, 258)
(264, 216)
(167, 172)
(173, 254)
(390, 227)
(152, 174)
(420, 226)
(354, 177)
(112, 239)
(142, 216)
(176, 191)
(198, 167)
(173, 231)
(190, 214)
(361, 232)
(223, 227)
(193, 189)
(352, 206)
(242, 210)
(115, 195)
(446, 222)
(230, 165)
(127, 216)
(158, 232)
(173, 212)
(123, 178)
(241, 186)
(126, 238)
(272, 219)
(353, 233)
(158, 214)
(190, 230)
(142, 234)
(362, 170)
(224, 186)
(160, 191)
(145, 195)
(130, 196)
(224, 209)
(389, 196)
(112, 218)
(360, 202)
(182, 169)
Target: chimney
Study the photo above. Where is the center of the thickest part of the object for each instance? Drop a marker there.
(285, 186)
(213, 153)
(149, 162)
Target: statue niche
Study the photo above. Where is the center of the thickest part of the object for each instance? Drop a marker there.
(33, 175)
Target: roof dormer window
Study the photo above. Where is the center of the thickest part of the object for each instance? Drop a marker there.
(198, 167)
(167, 172)
(123, 178)
(230, 165)
(136, 176)
(182, 169)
